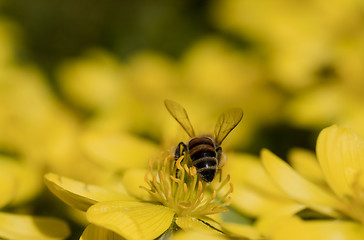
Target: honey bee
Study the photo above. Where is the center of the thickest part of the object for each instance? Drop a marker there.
(204, 151)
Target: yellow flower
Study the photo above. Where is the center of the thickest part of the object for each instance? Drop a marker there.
(176, 198)
(340, 154)
(178, 187)
(255, 194)
(93, 81)
(236, 231)
(299, 39)
(106, 148)
(316, 107)
(293, 227)
(20, 182)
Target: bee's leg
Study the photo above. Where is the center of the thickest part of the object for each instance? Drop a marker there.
(221, 158)
(180, 150)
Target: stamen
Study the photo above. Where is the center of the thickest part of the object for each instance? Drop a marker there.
(231, 188)
(199, 186)
(213, 195)
(193, 185)
(178, 163)
(178, 187)
(227, 179)
(201, 197)
(187, 169)
(176, 180)
(193, 171)
(169, 194)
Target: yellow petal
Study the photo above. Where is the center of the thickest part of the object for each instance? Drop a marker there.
(77, 216)
(7, 187)
(255, 202)
(93, 232)
(118, 151)
(27, 179)
(92, 81)
(132, 220)
(242, 231)
(201, 224)
(341, 156)
(315, 108)
(306, 164)
(78, 194)
(29, 183)
(28, 227)
(294, 228)
(132, 180)
(267, 223)
(197, 234)
(247, 170)
(255, 193)
(295, 186)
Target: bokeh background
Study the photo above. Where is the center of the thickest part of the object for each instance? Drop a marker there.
(82, 83)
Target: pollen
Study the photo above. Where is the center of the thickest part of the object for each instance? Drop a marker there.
(177, 186)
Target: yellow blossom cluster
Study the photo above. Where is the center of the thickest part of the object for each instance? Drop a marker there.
(94, 133)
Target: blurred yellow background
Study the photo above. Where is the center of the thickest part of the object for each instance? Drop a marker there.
(82, 83)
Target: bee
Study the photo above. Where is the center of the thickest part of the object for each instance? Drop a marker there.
(204, 151)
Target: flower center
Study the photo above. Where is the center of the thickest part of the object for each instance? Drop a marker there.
(178, 187)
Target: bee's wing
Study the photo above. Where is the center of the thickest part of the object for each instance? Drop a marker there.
(226, 123)
(180, 114)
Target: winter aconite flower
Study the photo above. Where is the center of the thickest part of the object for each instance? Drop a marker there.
(255, 194)
(20, 182)
(340, 154)
(185, 193)
(175, 198)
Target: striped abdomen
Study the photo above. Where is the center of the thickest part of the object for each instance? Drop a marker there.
(203, 155)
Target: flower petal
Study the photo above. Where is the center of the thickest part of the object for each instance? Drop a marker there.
(297, 187)
(255, 202)
(29, 183)
(28, 227)
(27, 180)
(7, 186)
(246, 169)
(202, 224)
(267, 223)
(93, 232)
(306, 164)
(132, 180)
(132, 220)
(78, 194)
(197, 234)
(255, 193)
(294, 228)
(315, 108)
(117, 151)
(341, 156)
(242, 231)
